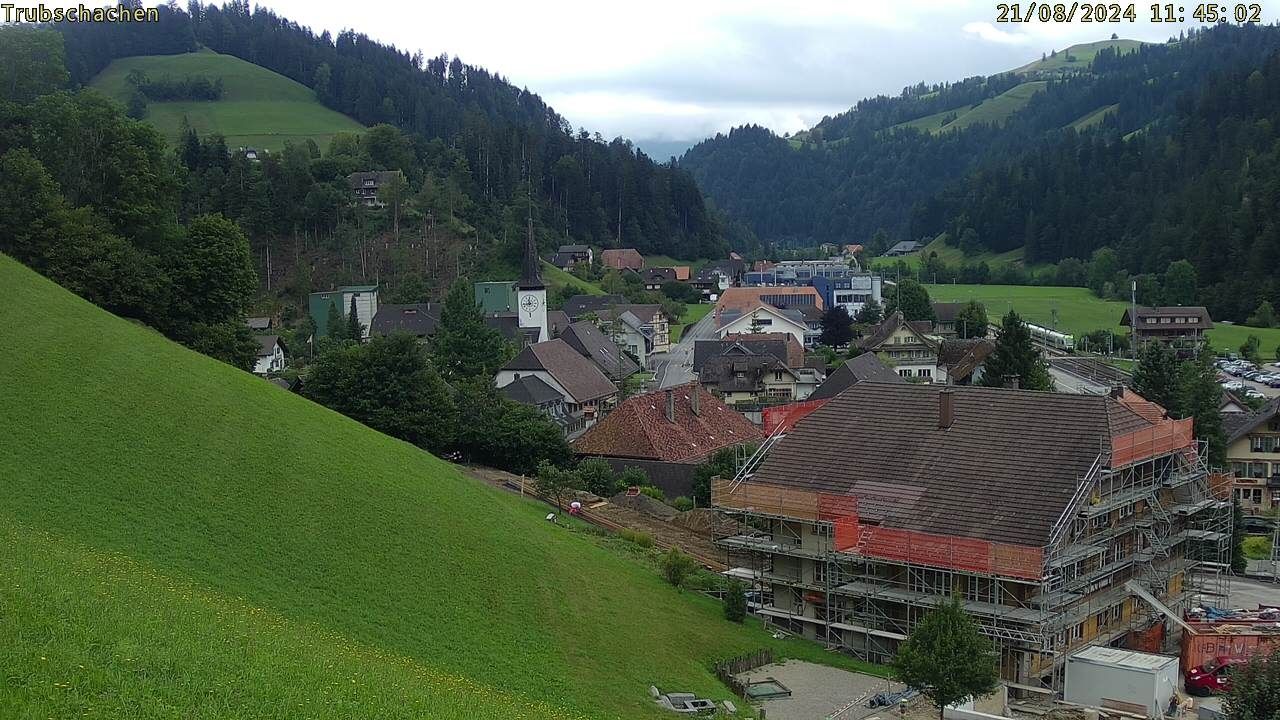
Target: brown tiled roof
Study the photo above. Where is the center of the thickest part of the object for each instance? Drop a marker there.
(962, 357)
(722, 372)
(587, 339)
(557, 321)
(794, 351)
(1200, 314)
(746, 299)
(619, 258)
(577, 375)
(1004, 471)
(1238, 428)
(864, 368)
(946, 311)
(638, 428)
(890, 324)
(682, 272)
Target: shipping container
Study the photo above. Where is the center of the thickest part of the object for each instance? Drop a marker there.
(1106, 677)
(1226, 639)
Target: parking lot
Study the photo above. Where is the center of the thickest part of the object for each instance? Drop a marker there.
(1248, 379)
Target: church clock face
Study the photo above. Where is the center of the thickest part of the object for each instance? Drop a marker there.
(529, 304)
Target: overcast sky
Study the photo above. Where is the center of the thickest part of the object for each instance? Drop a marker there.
(668, 70)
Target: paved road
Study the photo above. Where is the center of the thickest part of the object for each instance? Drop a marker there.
(675, 367)
(1248, 593)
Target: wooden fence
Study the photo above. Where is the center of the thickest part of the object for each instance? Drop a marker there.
(727, 669)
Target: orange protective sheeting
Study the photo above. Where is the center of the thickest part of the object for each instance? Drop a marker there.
(1162, 439)
(784, 417)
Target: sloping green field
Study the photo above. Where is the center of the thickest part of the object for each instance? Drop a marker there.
(1079, 311)
(259, 108)
(1090, 119)
(1080, 56)
(185, 540)
(994, 110)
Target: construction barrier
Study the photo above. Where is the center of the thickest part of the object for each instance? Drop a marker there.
(1167, 437)
(782, 418)
(852, 536)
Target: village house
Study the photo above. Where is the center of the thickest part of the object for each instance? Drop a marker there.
(365, 185)
(1051, 517)
(864, 368)
(908, 346)
(906, 247)
(270, 357)
(622, 259)
(653, 324)
(594, 345)
(754, 381)
(416, 319)
(532, 390)
(569, 255)
(960, 362)
(588, 394)
(1182, 327)
(1253, 452)
(782, 346)
(654, 278)
(763, 318)
(667, 434)
(320, 304)
(944, 320)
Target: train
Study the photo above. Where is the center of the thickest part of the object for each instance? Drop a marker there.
(1052, 338)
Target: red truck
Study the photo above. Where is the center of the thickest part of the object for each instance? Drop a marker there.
(1212, 677)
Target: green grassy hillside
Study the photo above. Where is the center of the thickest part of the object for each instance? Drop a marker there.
(993, 110)
(1079, 311)
(259, 108)
(951, 256)
(1095, 117)
(185, 540)
(1078, 57)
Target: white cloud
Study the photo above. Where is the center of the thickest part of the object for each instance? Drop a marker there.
(990, 33)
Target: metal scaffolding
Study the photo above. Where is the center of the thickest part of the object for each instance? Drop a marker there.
(1155, 517)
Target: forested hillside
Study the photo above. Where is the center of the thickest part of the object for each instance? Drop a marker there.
(1157, 150)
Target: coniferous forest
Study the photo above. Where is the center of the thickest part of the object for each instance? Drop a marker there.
(1184, 166)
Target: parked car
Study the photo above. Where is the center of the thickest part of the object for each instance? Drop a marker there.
(1213, 676)
(1254, 393)
(1233, 386)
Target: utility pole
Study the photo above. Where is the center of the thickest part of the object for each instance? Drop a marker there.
(1133, 320)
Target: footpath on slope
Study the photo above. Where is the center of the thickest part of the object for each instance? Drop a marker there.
(692, 531)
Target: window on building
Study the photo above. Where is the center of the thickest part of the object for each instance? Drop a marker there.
(1100, 620)
(819, 573)
(1257, 469)
(1240, 469)
(778, 393)
(926, 372)
(1077, 632)
(1117, 612)
(904, 373)
(1126, 511)
(1100, 522)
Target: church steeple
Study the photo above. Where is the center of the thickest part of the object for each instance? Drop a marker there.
(530, 273)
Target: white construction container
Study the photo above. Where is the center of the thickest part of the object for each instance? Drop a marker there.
(1106, 677)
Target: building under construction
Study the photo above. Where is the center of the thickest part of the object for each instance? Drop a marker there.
(1058, 520)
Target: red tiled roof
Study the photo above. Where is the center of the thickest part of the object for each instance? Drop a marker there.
(620, 258)
(638, 428)
(746, 299)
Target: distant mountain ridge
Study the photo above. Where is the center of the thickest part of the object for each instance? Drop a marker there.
(1159, 151)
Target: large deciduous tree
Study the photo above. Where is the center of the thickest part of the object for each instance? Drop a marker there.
(388, 385)
(1016, 356)
(912, 299)
(946, 658)
(837, 326)
(971, 320)
(212, 273)
(495, 431)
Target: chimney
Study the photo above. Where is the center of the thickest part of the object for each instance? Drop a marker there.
(1011, 382)
(694, 402)
(671, 406)
(946, 408)
(1117, 391)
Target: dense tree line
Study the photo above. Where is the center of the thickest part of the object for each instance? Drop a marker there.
(165, 88)
(506, 143)
(1180, 168)
(89, 198)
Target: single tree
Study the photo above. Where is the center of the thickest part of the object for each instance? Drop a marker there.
(598, 477)
(212, 272)
(335, 328)
(837, 326)
(1264, 316)
(870, 314)
(1249, 348)
(393, 194)
(677, 567)
(723, 464)
(553, 482)
(912, 299)
(1198, 397)
(355, 330)
(1016, 357)
(946, 658)
(632, 476)
(735, 602)
(971, 320)
(1255, 688)
(1156, 376)
(464, 346)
